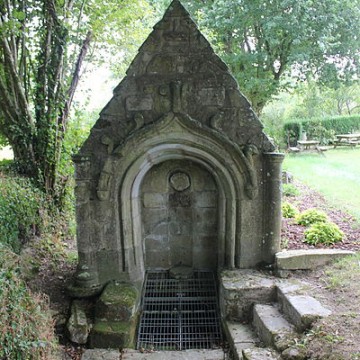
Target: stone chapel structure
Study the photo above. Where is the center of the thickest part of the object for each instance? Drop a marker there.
(177, 170)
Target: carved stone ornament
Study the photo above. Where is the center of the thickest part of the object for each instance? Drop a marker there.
(180, 181)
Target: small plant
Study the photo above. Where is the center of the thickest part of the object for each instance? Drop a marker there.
(290, 190)
(326, 233)
(26, 325)
(288, 210)
(311, 216)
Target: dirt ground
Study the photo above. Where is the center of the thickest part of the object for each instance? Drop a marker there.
(336, 337)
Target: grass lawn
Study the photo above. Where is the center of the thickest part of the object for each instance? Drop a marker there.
(335, 175)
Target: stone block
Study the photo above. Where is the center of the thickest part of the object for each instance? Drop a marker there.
(154, 200)
(271, 326)
(303, 310)
(241, 289)
(240, 337)
(206, 199)
(112, 335)
(308, 259)
(217, 354)
(118, 302)
(260, 354)
(101, 354)
(78, 325)
(139, 103)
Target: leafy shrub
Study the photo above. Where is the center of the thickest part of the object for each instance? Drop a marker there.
(322, 129)
(20, 206)
(311, 216)
(26, 324)
(288, 210)
(289, 190)
(326, 233)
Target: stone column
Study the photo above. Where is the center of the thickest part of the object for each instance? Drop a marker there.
(86, 277)
(272, 206)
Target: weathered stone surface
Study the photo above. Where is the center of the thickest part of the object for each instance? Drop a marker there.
(178, 109)
(117, 302)
(303, 310)
(112, 335)
(241, 289)
(260, 354)
(78, 325)
(101, 354)
(174, 355)
(308, 259)
(294, 353)
(273, 329)
(240, 337)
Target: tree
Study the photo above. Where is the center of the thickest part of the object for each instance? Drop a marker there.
(268, 44)
(43, 46)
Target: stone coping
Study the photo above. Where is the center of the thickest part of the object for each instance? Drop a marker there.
(308, 259)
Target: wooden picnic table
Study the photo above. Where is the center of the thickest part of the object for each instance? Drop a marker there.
(308, 144)
(347, 140)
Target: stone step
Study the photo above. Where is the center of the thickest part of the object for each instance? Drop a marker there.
(260, 354)
(271, 326)
(218, 354)
(130, 354)
(303, 310)
(240, 337)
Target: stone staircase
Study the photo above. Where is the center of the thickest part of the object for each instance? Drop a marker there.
(282, 314)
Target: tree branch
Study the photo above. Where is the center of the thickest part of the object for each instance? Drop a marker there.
(75, 78)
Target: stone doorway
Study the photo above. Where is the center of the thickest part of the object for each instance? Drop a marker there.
(179, 216)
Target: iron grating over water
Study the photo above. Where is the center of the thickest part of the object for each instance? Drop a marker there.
(179, 314)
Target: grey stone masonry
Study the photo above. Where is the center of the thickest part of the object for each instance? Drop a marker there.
(302, 309)
(129, 354)
(308, 259)
(271, 326)
(241, 289)
(240, 337)
(260, 354)
(177, 170)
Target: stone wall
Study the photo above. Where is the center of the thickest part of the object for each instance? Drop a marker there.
(180, 216)
(178, 111)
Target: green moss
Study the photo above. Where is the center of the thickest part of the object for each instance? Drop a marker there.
(119, 293)
(112, 327)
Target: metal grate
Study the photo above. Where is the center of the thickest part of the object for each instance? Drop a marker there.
(179, 314)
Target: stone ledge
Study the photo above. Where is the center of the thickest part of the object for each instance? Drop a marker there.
(307, 259)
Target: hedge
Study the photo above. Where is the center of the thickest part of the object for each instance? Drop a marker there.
(322, 129)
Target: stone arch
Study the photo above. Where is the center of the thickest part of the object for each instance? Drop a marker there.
(180, 139)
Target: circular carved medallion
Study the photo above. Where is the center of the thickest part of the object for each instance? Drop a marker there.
(180, 181)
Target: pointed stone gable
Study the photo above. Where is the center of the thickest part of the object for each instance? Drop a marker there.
(178, 114)
(176, 70)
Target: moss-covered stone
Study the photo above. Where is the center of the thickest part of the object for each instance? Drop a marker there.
(113, 334)
(117, 302)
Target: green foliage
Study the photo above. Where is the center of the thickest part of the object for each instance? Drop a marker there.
(322, 129)
(290, 190)
(288, 210)
(265, 42)
(311, 216)
(26, 324)
(22, 211)
(326, 233)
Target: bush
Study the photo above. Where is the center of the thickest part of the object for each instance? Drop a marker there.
(288, 210)
(311, 216)
(289, 190)
(20, 206)
(326, 233)
(322, 129)
(26, 323)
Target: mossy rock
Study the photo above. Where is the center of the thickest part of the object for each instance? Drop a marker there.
(117, 302)
(113, 334)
